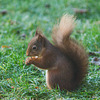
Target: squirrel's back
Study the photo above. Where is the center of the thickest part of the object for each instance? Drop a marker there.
(75, 52)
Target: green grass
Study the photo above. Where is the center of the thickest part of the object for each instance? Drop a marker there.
(18, 81)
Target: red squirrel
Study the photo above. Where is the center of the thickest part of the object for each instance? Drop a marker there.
(66, 61)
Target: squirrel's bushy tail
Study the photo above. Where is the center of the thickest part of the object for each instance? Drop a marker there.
(63, 30)
(74, 51)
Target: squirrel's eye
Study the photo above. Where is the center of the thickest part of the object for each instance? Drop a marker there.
(34, 47)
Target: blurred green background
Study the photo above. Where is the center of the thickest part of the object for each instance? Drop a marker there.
(18, 22)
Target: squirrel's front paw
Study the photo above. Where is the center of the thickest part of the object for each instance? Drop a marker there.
(27, 62)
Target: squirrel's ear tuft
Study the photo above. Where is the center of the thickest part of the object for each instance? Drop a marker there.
(38, 32)
(41, 39)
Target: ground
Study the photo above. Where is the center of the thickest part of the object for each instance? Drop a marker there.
(18, 22)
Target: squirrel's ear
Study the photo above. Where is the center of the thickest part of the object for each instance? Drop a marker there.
(38, 31)
(41, 39)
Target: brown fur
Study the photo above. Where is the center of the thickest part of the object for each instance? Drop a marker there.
(66, 62)
(72, 49)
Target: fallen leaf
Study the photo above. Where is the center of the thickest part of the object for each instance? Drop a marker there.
(36, 87)
(5, 46)
(18, 32)
(4, 12)
(94, 53)
(96, 61)
(12, 87)
(80, 11)
(9, 79)
(47, 5)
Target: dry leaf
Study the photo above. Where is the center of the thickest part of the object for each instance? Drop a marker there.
(94, 53)
(18, 32)
(36, 87)
(4, 12)
(96, 61)
(80, 11)
(47, 5)
(5, 46)
(12, 87)
(9, 79)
